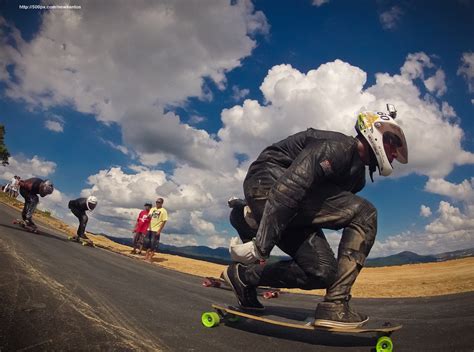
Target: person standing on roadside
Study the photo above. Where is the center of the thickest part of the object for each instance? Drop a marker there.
(141, 229)
(158, 218)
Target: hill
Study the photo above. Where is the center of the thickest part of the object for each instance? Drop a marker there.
(221, 255)
(401, 258)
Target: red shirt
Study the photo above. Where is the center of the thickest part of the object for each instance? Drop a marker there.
(142, 222)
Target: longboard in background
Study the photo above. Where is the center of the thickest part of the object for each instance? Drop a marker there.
(82, 241)
(22, 224)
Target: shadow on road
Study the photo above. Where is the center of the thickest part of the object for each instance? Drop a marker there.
(319, 338)
(40, 233)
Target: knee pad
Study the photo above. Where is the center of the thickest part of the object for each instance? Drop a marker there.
(355, 244)
(360, 234)
(366, 217)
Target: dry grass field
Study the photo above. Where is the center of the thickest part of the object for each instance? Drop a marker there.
(416, 280)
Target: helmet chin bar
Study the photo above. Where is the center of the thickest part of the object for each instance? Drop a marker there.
(372, 164)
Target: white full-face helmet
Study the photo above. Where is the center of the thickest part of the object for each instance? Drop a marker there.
(91, 202)
(380, 127)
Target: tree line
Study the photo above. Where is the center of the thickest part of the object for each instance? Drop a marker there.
(4, 154)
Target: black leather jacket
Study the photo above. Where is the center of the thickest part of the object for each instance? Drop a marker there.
(78, 204)
(31, 185)
(288, 171)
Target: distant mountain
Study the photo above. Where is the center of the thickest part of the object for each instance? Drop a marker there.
(221, 255)
(400, 259)
(413, 258)
(463, 253)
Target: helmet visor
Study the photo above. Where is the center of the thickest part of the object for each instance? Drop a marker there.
(397, 142)
(392, 139)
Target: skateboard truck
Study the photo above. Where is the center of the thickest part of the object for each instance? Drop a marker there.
(266, 293)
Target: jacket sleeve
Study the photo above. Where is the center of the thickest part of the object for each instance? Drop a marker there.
(316, 163)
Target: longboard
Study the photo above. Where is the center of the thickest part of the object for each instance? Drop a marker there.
(22, 224)
(218, 282)
(82, 241)
(291, 318)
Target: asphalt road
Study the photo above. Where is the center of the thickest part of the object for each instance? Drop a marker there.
(58, 295)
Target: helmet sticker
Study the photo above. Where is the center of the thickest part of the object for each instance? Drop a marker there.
(366, 120)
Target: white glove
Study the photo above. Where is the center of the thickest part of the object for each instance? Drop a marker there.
(245, 253)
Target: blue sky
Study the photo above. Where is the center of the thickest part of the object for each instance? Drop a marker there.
(175, 98)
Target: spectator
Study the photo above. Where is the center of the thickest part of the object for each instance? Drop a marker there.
(141, 228)
(158, 218)
(14, 185)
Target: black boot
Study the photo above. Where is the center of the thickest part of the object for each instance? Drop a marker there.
(246, 295)
(335, 310)
(338, 314)
(30, 224)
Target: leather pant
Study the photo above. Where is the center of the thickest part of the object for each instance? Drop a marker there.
(31, 201)
(312, 264)
(82, 216)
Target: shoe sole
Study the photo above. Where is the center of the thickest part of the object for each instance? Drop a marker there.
(338, 324)
(229, 282)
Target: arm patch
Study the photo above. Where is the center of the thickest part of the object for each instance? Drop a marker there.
(327, 167)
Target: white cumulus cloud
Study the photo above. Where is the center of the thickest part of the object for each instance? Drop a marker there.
(466, 69)
(27, 167)
(54, 126)
(463, 191)
(437, 83)
(327, 97)
(163, 57)
(425, 211)
(391, 17)
(320, 2)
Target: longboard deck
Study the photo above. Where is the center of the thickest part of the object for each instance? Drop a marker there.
(83, 242)
(21, 224)
(284, 317)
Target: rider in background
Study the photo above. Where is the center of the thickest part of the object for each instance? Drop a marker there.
(29, 190)
(79, 207)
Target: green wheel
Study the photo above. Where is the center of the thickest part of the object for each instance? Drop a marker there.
(210, 319)
(384, 344)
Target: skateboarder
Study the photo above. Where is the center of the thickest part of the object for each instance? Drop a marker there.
(141, 228)
(29, 189)
(79, 207)
(295, 188)
(158, 218)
